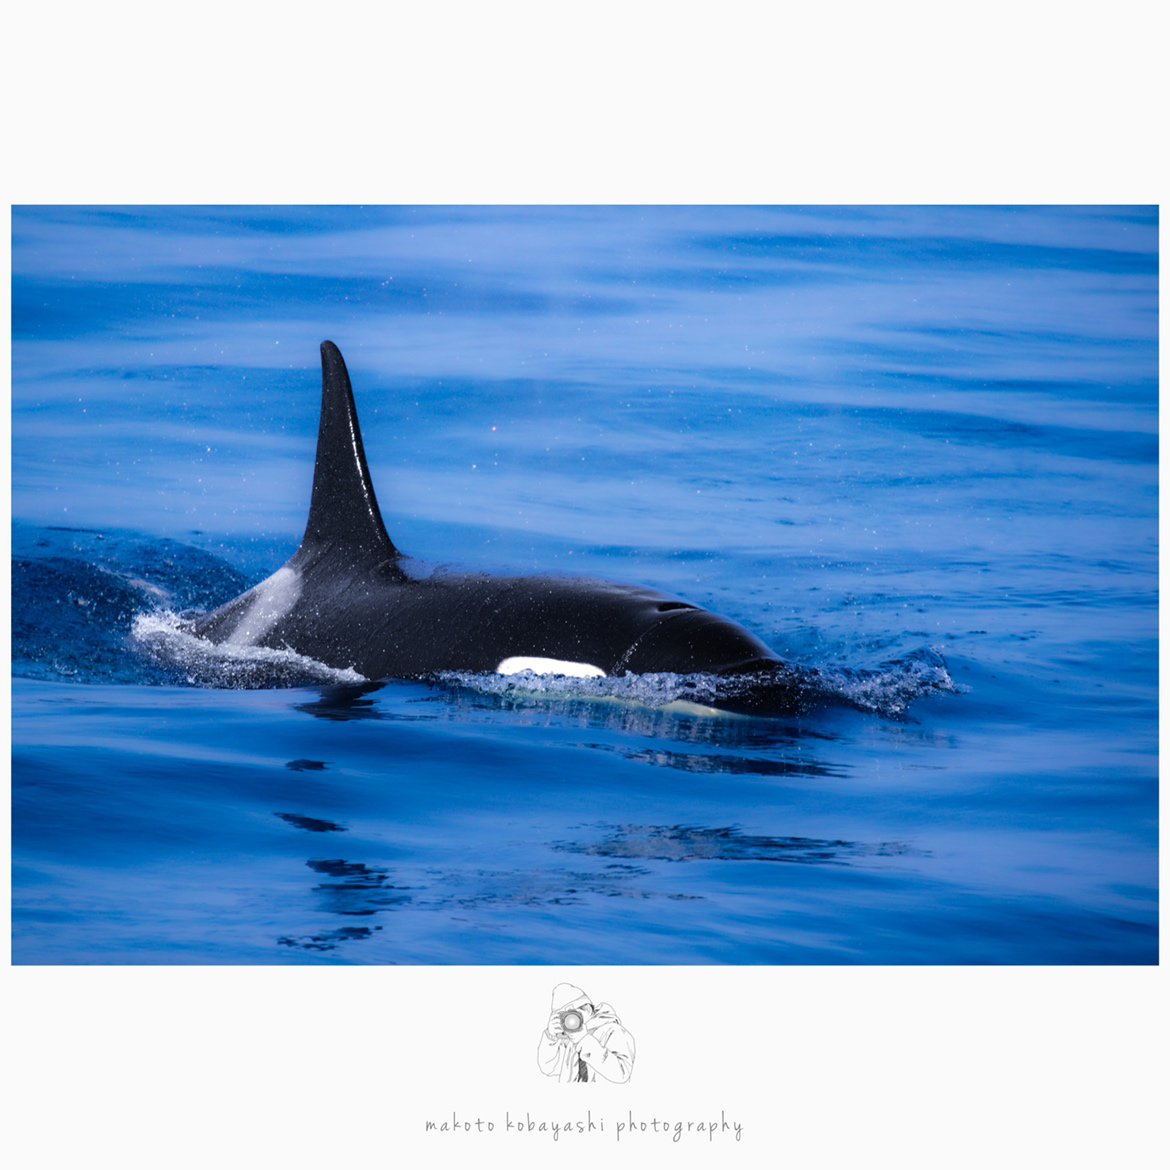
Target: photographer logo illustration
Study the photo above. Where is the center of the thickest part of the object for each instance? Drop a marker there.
(583, 1040)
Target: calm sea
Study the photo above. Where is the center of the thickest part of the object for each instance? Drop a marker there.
(914, 448)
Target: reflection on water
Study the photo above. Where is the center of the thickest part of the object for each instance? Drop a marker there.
(483, 889)
(327, 940)
(347, 703)
(749, 745)
(311, 824)
(357, 889)
(688, 843)
(635, 867)
(646, 712)
(344, 704)
(360, 890)
(712, 764)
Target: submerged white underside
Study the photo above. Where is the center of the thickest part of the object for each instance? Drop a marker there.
(550, 666)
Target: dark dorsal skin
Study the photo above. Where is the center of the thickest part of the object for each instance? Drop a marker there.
(348, 598)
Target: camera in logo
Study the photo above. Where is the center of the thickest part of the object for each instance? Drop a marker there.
(572, 1021)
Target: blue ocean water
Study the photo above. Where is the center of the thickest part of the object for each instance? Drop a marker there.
(913, 448)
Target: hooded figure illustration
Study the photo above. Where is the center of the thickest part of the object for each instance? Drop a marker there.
(584, 1041)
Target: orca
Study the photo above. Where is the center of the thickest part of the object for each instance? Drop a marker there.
(349, 599)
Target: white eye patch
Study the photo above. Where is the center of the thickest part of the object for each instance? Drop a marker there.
(550, 666)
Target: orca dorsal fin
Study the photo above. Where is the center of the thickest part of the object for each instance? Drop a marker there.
(343, 515)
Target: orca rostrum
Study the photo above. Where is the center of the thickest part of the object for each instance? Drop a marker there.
(348, 598)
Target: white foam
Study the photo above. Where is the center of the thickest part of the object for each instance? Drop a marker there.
(555, 666)
(229, 664)
(890, 690)
(646, 690)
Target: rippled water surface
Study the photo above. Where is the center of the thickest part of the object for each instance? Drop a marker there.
(915, 450)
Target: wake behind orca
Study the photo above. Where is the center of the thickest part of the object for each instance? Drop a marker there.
(349, 599)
